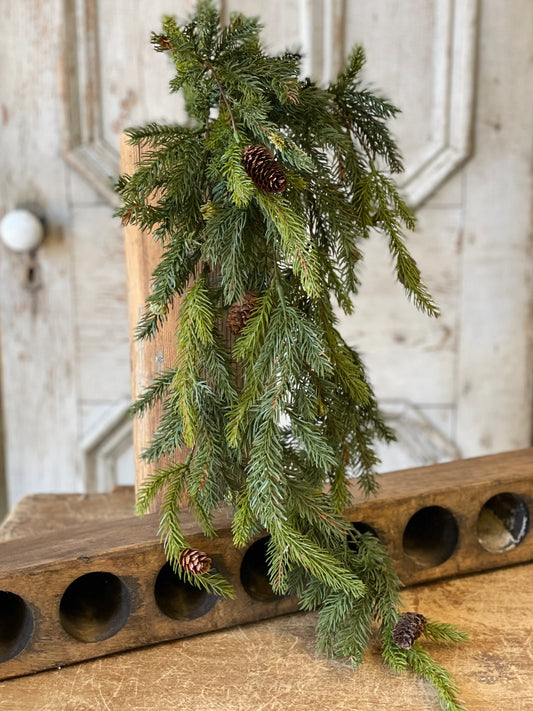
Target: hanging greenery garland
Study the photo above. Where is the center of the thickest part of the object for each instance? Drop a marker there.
(260, 203)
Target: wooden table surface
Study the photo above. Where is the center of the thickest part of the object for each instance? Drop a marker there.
(271, 666)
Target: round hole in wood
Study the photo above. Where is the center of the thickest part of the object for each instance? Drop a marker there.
(178, 599)
(502, 523)
(360, 527)
(16, 625)
(254, 572)
(431, 536)
(94, 607)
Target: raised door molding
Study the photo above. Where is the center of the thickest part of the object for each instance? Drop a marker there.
(453, 109)
(322, 32)
(107, 450)
(85, 147)
(452, 48)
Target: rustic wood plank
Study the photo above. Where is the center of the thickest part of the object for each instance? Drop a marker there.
(41, 514)
(149, 356)
(106, 583)
(462, 487)
(101, 311)
(494, 378)
(36, 297)
(273, 662)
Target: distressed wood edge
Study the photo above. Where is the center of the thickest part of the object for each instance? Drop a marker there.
(433, 481)
(3, 482)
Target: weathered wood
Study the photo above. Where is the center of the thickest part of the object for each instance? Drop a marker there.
(121, 605)
(272, 665)
(472, 242)
(496, 250)
(39, 387)
(129, 601)
(148, 356)
(3, 492)
(100, 297)
(41, 514)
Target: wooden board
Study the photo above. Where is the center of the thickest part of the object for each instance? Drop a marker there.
(106, 587)
(147, 357)
(271, 666)
(40, 514)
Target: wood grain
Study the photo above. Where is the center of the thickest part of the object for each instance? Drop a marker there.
(147, 357)
(41, 514)
(39, 387)
(272, 666)
(127, 601)
(469, 372)
(496, 259)
(100, 297)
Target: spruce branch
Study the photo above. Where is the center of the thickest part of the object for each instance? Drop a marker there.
(444, 632)
(155, 134)
(287, 407)
(168, 437)
(150, 488)
(440, 678)
(154, 393)
(223, 96)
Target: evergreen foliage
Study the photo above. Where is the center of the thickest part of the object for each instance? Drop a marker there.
(287, 409)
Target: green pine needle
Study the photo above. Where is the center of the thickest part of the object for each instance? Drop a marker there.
(439, 677)
(444, 632)
(286, 408)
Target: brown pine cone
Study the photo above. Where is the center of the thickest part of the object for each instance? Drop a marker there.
(239, 314)
(263, 169)
(161, 43)
(408, 629)
(194, 562)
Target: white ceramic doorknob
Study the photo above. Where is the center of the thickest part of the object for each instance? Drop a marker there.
(21, 230)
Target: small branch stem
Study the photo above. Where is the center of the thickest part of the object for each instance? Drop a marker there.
(222, 94)
(351, 129)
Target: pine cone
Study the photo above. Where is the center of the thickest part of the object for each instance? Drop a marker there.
(408, 629)
(194, 562)
(161, 43)
(263, 169)
(239, 314)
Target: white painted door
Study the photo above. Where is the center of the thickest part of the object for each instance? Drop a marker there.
(74, 73)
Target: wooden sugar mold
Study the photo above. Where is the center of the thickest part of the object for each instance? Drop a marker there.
(105, 587)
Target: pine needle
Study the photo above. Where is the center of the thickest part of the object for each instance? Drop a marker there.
(288, 407)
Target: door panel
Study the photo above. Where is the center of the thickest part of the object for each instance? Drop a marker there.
(39, 389)
(74, 73)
